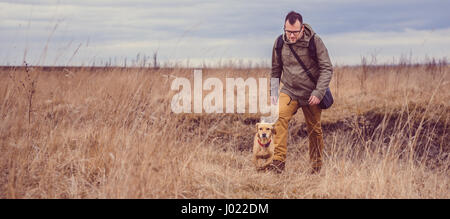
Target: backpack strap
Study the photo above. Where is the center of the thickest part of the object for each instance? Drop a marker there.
(312, 48)
(278, 49)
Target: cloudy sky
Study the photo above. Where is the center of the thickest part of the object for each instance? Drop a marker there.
(83, 32)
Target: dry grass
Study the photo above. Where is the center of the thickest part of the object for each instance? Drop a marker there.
(111, 134)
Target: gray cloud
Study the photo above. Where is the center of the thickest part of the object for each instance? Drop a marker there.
(195, 29)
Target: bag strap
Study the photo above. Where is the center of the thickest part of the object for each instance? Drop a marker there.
(303, 65)
(312, 52)
(311, 48)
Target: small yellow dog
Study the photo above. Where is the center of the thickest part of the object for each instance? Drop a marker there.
(263, 145)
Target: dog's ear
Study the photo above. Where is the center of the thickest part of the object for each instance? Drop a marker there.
(273, 130)
(257, 126)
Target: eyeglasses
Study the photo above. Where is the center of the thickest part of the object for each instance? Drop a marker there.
(296, 32)
(292, 32)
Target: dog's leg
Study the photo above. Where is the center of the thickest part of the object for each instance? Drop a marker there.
(264, 156)
(268, 161)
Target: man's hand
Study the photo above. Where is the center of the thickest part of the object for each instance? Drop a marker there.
(313, 100)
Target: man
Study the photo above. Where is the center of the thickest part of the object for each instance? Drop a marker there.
(299, 90)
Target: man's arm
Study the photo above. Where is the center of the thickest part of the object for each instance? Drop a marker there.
(275, 74)
(325, 69)
(276, 66)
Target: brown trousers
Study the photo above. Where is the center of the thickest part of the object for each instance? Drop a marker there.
(287, 108)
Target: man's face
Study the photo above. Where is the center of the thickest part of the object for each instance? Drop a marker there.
(293, 32)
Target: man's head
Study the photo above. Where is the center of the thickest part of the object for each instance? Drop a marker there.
(293, 26)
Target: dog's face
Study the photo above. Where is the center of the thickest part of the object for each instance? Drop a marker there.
(265, 131)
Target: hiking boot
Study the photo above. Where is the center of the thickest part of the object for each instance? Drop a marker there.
(277, 166)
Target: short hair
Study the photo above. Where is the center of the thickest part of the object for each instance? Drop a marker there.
(292, 17)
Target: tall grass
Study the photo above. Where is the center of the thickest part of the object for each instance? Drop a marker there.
(111, 134)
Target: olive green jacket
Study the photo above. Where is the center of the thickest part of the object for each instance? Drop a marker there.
(296, 82)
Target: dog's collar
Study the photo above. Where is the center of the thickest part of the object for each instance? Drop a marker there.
(265, 145)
